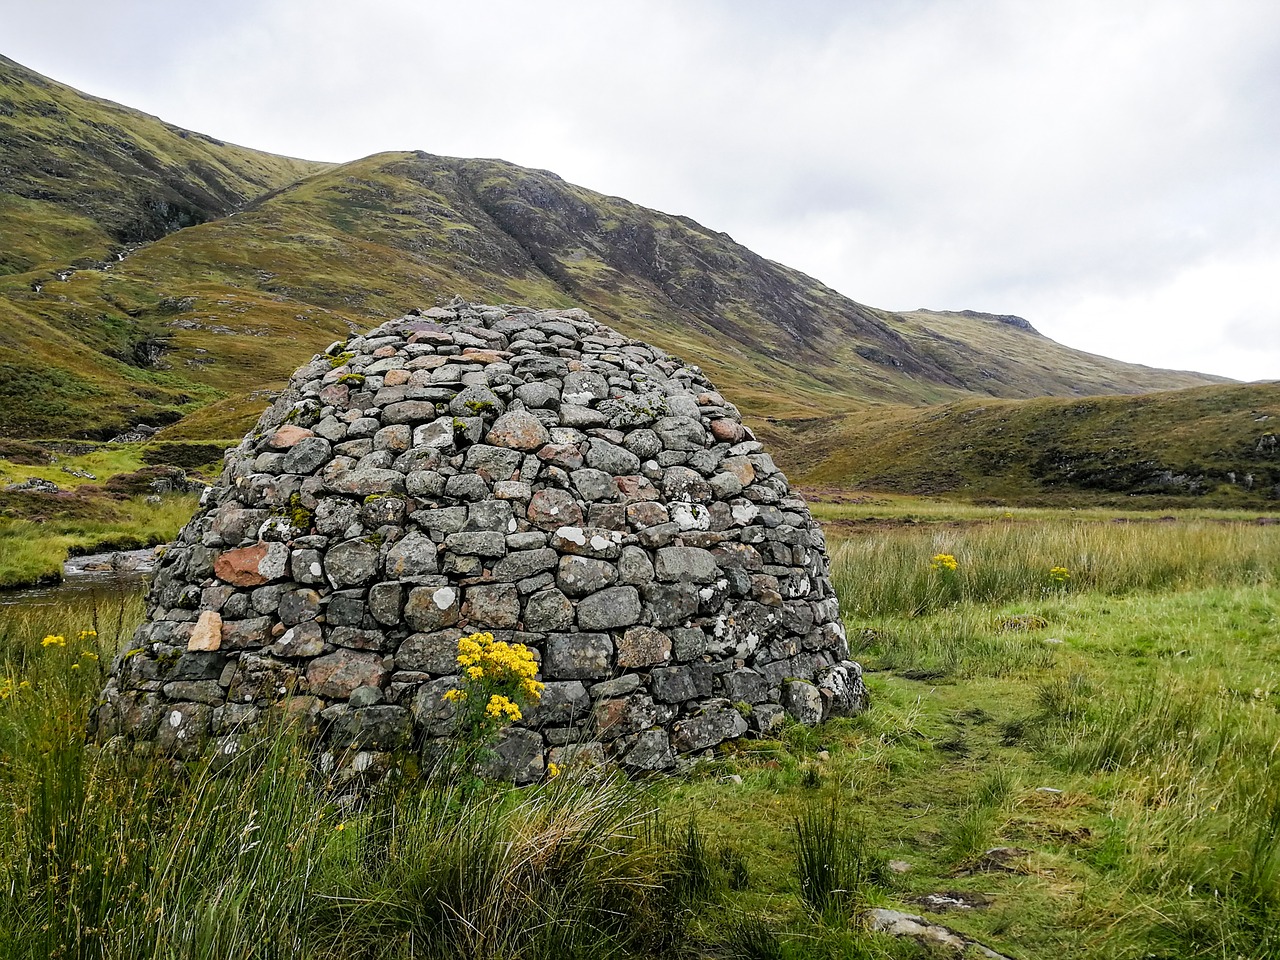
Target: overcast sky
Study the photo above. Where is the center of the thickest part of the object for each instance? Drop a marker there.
(1108, 170)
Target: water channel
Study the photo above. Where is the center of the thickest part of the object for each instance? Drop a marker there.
(99, 577)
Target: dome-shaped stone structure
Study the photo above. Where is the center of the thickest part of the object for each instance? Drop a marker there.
(528, 473)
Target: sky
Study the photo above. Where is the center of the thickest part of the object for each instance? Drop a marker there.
(1108, 170)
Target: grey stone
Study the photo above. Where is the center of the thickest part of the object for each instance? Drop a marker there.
(516, 756)
(520, 564)
(673, 684)
(430, 652)
(686, 564)
(413, 556)
(466, 486)
(547, 611)
(299, 605)
(491, 515)
(366, 482)
(670, 604)
(803, 701)
(431, 710)
(594, 484)
(843, 690)
(745, 686)
(579, 576)
(307, 456)
(634, 566)
(578, 656)
(651, 751)
(495, 605)
(386, 600)
(563, 702)
(493, 464)
(538, 395)
(716, 722)
(351, 563)
(480, 543)
(380, 727)
(477, 401)
(611, 458)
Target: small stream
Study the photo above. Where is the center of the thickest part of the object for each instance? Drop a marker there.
(100, 575)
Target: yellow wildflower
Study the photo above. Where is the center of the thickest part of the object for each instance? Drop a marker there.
(1059, 574)
(455, 695)
(53, 641)
(500, 706)
(944, 561)
(554, 770)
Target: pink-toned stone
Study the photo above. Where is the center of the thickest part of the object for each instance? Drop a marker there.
(336, 675)
(477, 355)
(637, 488)
(565, 455)
(437, 337)
(383, 352)
(740, 467)
(207, 635)
(552, 508)
(254, 565)
(394, 378)
(727, 431)
(643, 647)
(336, 395)
(426, 363)
(646, 513)
(518, 431)
(287, 436)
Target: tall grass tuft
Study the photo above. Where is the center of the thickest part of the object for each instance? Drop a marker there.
(835, 863)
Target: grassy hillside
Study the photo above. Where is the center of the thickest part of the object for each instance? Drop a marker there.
(85, 178)
(182, 321)
(1218, 444)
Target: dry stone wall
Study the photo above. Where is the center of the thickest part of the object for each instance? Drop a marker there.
(528, 473)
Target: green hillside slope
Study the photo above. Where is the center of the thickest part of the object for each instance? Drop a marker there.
(84, 178)
(1217, 444)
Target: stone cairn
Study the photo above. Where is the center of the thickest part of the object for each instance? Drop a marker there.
(529, 473)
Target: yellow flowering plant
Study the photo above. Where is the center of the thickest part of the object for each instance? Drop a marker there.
(944, 562)
(497, 682)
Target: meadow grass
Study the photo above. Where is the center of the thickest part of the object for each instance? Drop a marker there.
(33, 551)
(1118, 733)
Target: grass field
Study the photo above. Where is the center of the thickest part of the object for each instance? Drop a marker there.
(1075, 729)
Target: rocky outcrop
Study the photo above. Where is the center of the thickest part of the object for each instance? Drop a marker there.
(528, 473)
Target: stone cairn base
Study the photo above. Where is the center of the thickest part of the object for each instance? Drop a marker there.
(529, 473)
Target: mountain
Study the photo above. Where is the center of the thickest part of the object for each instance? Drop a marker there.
(162, 276)
(85, 178)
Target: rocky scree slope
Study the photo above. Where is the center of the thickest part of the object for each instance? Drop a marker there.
(529, 473)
